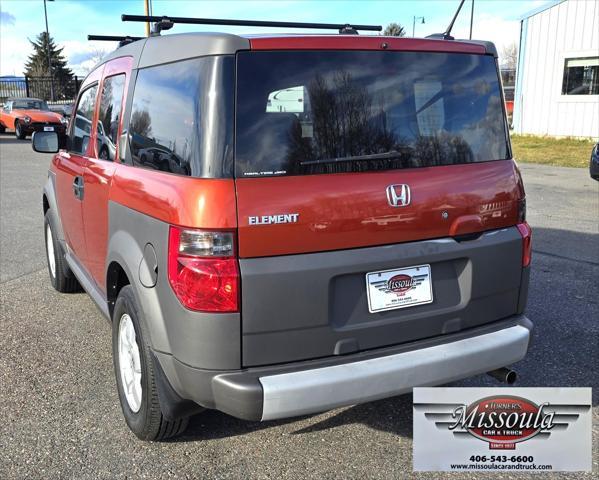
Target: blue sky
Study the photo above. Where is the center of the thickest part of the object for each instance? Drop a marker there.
(70, 21)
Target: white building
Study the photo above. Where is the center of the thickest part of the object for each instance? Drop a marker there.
(557, 80)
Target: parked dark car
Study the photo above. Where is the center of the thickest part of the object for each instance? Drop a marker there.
(594, 164)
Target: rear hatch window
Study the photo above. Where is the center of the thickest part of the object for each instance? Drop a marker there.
(315, 112)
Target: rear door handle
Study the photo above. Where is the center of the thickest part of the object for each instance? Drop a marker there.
(78, 187)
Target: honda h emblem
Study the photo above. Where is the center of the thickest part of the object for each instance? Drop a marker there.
(398, 195)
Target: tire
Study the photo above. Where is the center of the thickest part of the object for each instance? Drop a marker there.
(141, 405)
(19, 133)
(61, 277)
(2, 129)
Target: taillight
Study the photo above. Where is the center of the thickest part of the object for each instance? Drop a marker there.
(526, 233)
(203, 270)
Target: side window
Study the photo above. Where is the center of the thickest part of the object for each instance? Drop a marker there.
(82, 126)
(162, 127)
(110, 113)
(182, 118)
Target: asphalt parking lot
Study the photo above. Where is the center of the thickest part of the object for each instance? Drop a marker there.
(60, 412)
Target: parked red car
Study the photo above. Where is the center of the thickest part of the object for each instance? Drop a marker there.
(288, 224)
(28, 115)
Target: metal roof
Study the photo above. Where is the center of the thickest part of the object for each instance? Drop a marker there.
(540, 9)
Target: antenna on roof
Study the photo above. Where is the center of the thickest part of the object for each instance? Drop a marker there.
(447, 34)
(125, 40)
(165, 23)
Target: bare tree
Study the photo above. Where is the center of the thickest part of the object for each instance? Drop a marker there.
(394, 30)
(95, 57)
(509, 56)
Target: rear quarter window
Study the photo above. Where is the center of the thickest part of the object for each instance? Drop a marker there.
(182, 118)
(310, 112)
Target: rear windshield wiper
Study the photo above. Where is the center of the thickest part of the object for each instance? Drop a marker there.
(357, 158)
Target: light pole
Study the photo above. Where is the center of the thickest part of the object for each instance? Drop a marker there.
(471, 18)
(48, 52)
(414, 25)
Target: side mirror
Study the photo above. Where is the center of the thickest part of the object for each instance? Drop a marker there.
(45, 142)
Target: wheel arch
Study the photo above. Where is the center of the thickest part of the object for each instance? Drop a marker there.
(116, 279)
(123, 262)
(45, 203)
(49, 203)
(122, 259)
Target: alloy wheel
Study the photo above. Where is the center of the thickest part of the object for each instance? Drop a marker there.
(129, 363)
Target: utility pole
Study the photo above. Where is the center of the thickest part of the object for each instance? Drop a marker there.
(147, 10)
(48, 52)
(471, 18)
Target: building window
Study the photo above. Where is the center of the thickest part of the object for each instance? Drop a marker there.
(581, 76)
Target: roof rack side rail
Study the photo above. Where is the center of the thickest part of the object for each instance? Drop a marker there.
(168, 21)
(123, 40)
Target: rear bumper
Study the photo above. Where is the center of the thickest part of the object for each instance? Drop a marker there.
(309, 391)
(283, 391)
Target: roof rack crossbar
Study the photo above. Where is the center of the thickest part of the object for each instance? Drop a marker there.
(342, 27)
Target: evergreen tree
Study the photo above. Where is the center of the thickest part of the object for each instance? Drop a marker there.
(37, 66)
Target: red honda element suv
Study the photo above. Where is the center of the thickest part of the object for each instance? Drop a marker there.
(282, 225)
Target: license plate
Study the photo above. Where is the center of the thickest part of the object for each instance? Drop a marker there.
(48, 129)
(399, 288)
